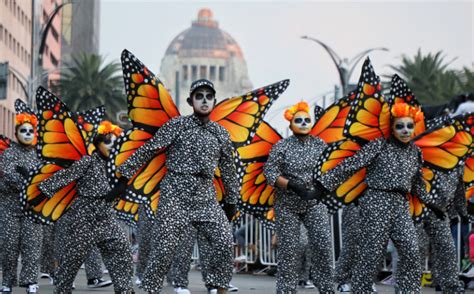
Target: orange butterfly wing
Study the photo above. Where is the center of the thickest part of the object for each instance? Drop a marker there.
(39, 207)
(61, 142)
(369, 116)
(256, 196)
(353, 187)
(149, 103)
(60, 138)
(127, 211)
(447, 145)
(149, 107)
(5, 143)
(241, 116)
(329, 125)
(468, 177)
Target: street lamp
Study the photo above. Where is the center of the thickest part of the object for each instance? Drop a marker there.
(344, 66)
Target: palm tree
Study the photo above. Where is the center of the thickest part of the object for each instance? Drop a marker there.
(428, 77)
(466, 80)
(87, 82)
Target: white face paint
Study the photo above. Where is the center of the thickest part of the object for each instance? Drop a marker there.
(403, 129)
(301, 123)
(203, 101)
(26, 134)
(107, 145)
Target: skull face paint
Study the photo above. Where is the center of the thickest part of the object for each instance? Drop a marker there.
(106, 145)
(25, 134)
(203, 100)
(403, 129)
(301, 123)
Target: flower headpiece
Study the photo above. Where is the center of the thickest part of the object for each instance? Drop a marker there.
(25, 117)
(106, 127)
(300, 106)
(402, 109)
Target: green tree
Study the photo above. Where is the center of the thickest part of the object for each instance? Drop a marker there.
(87, 82)
(428, 77)
(466, 80)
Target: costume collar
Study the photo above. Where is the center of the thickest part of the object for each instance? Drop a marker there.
(198, 121)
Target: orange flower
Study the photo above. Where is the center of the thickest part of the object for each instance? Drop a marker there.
(24, 117)
(300, 106)
(402, 109)
(106, 127)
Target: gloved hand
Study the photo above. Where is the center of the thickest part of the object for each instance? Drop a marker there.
(118, 190)
(22, 171)
(317, 193)
(438, 211)
(230, 210)
(299, 189)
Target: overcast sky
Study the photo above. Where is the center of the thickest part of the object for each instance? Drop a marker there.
(269, 35)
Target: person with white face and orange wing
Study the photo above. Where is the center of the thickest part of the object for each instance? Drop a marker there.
(91, 219)
(290, 169)
(21, 236)
(393, 170)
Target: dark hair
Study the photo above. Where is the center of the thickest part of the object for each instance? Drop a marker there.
(99, 138)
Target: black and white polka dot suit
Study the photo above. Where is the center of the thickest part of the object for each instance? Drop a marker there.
(91, 223)
(346, 262)
(194, 150)
(296, 160)
(21, 235)
(93, 262)
(144, 237)
(450, 191)
(393, 170)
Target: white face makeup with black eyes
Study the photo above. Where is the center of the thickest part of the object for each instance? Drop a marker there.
(403, 129)
(203, 100)
(25, 134)
(301, 123)
(107, 145)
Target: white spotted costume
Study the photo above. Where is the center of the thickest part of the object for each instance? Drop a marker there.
(296, 159)
(194, 150)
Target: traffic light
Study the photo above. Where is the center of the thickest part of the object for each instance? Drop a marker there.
(3, 80)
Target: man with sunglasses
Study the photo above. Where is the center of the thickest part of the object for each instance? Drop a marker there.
(195, 147)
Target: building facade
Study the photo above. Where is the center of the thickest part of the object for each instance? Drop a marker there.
(15, 49)
(80, 29)
(204, 51)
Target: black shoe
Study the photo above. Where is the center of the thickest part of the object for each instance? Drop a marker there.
(98, 283)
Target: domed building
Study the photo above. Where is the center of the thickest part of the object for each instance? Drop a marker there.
(204, 51)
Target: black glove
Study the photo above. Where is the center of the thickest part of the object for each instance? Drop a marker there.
(23, 171)
(317, 193)
(118, 190)
(299, 189)
(439, 212)
(230, 210)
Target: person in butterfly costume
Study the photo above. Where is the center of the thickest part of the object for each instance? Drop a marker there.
(393, 170)
(289, 168)
(195, 147)
(91, 219)
(21, 235)
(449, 193)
